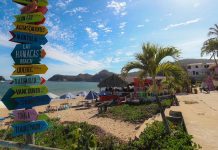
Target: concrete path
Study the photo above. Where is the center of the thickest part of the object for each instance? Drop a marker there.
(201, 118)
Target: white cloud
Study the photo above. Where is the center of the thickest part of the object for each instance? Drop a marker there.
(118, 7)
(122, 33)
(63, 3)
(68, 62)
(122, 25)
(140, 26)
(92, 34)
(91, 52)
(182, 24)
(104, 28)
(77, 10)
(132, 39)
(4, 40)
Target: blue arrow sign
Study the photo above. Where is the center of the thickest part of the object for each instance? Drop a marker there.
(29, 128)
(27, 54)
(28, 80)
(21, 37)
(24, 102)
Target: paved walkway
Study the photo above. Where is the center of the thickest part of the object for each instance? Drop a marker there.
(201, 118)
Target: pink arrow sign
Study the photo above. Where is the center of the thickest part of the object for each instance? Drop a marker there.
(32, 7)
(25, 115)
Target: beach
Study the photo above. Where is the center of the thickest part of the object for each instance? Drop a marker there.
(200, 113)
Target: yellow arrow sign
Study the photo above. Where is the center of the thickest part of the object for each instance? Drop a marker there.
(30, 69)
(30, 28)
(25, 91)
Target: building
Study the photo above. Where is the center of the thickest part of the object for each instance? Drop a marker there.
(199, 71)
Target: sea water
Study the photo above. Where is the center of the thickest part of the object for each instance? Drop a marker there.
(59, 88)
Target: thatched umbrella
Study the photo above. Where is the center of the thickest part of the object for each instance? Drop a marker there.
(113, 81)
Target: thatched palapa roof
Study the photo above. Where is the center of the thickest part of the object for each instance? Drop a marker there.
(113, 81)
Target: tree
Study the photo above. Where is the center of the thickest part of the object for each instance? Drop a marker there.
(213, 31)
(210, 46)
(151, 62)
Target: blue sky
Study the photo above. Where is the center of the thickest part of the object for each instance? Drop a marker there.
(86, 36)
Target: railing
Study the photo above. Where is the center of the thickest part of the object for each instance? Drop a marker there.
(9, 144)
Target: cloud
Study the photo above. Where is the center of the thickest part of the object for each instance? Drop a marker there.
(69, 62)
(122, 25)
(182, 24)
(63, 3)
(4, 40)
(118, 7)
(104, 28)
(140, 26)
(77, 10)
(92, 34)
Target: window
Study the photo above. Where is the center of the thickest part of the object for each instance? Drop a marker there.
(193, 72)
(206, 66)
(196, 66)
(189, 67)
(196, 73)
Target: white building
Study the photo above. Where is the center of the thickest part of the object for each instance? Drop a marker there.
(199, 71)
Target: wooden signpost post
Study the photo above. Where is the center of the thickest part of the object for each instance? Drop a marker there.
(28, 91)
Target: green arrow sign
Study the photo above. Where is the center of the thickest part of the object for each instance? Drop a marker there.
(25, 91)
(25, 2)
(30, 18)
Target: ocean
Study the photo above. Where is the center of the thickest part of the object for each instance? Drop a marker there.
(59, 88)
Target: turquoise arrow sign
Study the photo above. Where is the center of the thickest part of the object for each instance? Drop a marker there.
(27, 38)
(28, 80)
(27, 54)
(29, 128)
(24, 102)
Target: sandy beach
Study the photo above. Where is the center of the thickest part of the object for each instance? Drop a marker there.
(201, 118)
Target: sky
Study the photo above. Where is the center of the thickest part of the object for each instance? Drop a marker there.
(86, 36)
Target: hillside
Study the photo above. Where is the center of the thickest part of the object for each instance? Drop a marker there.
(82, 77)
(2, 78)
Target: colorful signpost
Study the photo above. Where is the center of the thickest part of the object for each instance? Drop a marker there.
(25, 115)
(29, 69)
(27, 54)
(30, 18)
(22, 37)
(28, 80)
(24, 102)
(30, 28)
(25, 2)
(27, 91)
(29, 128)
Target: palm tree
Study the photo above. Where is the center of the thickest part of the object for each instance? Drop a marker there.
(151, 63)
(210, 46)
(213, 31)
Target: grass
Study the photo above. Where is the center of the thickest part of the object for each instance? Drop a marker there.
(135, 113)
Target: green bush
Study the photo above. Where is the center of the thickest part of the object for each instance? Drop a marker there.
(135, 113)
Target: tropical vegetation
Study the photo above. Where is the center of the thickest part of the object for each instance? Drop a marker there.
(210, 46)
(82, 136)
(135, 113)
(152, 62)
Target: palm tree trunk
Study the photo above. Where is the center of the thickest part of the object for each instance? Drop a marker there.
(166, 125)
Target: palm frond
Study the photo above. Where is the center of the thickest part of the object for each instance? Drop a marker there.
(165, 52)
(131, 65)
